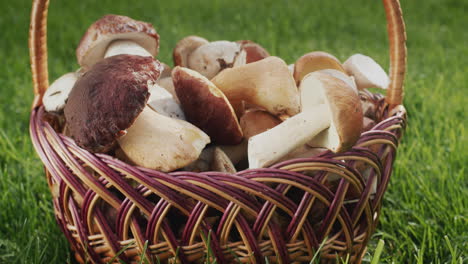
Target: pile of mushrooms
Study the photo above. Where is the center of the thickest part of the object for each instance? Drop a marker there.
(226, 105)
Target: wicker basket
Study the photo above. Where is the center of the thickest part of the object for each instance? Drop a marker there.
(281, 214)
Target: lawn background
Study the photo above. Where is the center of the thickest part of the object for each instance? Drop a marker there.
(425, 209)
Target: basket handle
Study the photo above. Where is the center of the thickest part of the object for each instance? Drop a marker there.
(395, 28)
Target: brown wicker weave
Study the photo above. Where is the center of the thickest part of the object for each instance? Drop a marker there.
(282, 214)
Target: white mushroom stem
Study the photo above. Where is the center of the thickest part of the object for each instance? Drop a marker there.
(268, 147)
(164, 103)
(118, 47)
(168, 84)
(161, 143)
(56, 95)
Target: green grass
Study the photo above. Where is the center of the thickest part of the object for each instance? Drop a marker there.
(425, 215)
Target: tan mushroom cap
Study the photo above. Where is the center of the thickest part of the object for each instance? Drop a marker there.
(314, 61)
(254, 51)
(161, 143)
(266, 83)
(206, 106)
(185, 47)
(221, 162)
(256, 121)
(100, 34)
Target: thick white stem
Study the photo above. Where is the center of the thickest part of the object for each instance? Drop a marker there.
(268, 147)
(126, 47)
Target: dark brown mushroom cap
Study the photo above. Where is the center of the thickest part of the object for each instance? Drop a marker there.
(106, 99)
(206, 106)
(101, 33)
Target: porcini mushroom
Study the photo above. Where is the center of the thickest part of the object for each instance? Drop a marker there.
(164, 103)
(331, 117)
(134, 35)
(221, 162)
(266, 83)
(56, 95)
(106, 100)
(211, 58)
(254, 52)
(349, 80)
(161, 143)
(206, 106)
(256, 121)
(367, 72)
(314, 61)
(185, 47)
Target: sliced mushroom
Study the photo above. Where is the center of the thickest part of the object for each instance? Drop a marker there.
(254, 51)
(161, 143)
(206, 106)
(266, 83)
(314, 61)
(56, 95)
(331, 118)
(161, 101)
(367, 72)
(209, 59)
(185, 47)
(100, 34)
(106, 100)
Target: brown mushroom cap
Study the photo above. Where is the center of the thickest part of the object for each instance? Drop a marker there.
(101, 33)
(206, 106)
(254, 51)
(256, 121)
(266, 83)
(106, 100)
(345, 110)
(314, 61)
(185, 47)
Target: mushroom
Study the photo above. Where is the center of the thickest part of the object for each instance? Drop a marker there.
(209, 59)
(304, 151)
(185, 47)
(221, 162)
(331, 118)
(349, 80)
(163, 102)
(168, 84)
(256, 121)
(136, 36)
(106, 100)
(206, 106)
(212, 159)
(367, 124)
(266, 83)
(129, 47)
(56, 95)
(162, 143)
(254, 52)
(366, 71)
(314, 61)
